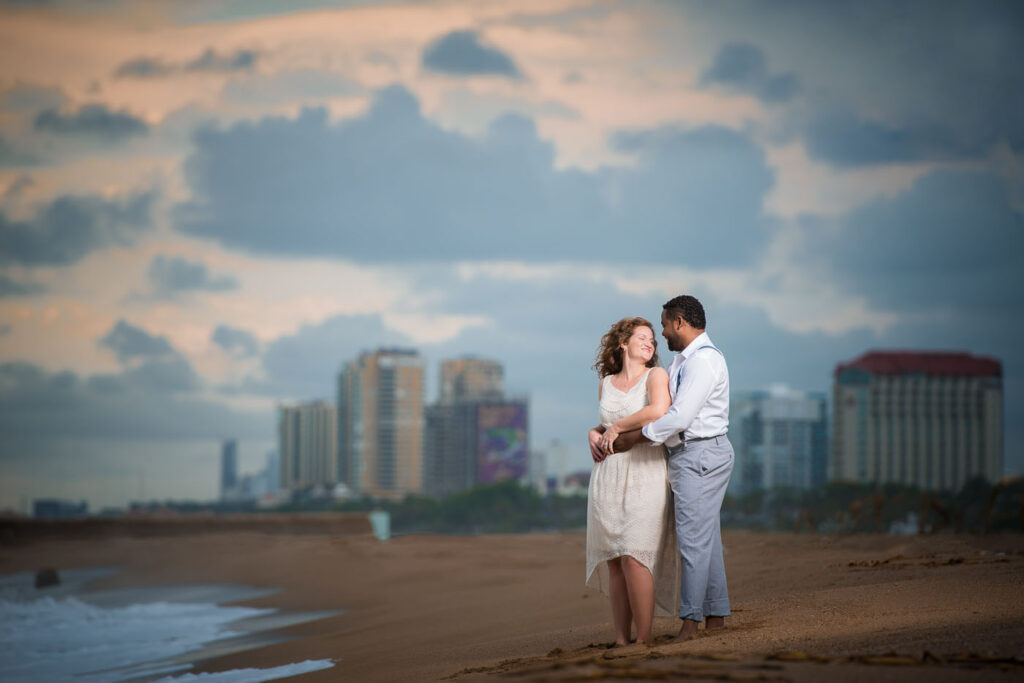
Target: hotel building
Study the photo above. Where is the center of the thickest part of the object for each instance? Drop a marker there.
(927, 419)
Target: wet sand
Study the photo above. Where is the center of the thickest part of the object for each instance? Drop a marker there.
(434, 607)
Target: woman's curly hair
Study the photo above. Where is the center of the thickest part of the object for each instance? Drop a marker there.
(609, 353)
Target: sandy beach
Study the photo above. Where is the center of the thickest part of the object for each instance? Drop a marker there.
(806, 607)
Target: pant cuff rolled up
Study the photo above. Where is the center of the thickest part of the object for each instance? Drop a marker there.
(717, 608)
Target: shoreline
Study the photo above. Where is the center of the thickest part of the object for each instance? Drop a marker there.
(466, 607)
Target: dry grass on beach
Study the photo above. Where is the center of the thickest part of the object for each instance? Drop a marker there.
(431, 607)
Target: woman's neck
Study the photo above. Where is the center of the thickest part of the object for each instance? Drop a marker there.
(633, 368)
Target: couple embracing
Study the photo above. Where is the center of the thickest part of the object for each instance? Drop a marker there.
(662, 462)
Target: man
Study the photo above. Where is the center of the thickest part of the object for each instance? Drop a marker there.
(700, 460)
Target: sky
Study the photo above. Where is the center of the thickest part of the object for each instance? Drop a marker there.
(208, 207)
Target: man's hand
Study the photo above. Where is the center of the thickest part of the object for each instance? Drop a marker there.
(595, 436)
(627, 440)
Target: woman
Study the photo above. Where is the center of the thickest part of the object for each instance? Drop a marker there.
(631, 548)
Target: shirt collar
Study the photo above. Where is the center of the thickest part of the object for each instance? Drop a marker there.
(701, 340)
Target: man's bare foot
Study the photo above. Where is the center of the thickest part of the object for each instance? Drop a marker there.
(711, 623)
(687, 631)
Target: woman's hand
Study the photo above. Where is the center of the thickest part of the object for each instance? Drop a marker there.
(594, 436)
(608, 440)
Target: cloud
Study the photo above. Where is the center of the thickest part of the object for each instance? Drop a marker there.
(66, 229)
(838, 135)
(743, 67)
(907, 81)
(300, 85)
(304, 365)
(235, 341)
(18, 185)
(93, 121)
(27, 97)
(9, 287)
(151, 363)
(129, 342)
(144, 67)
(14, 156)
(145, 402)
(171, 275)
(390, 185)
(950, 243)
(460, 53)
(210, 61)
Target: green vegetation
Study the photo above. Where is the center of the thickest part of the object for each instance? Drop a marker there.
(505, 507)
(846, 508)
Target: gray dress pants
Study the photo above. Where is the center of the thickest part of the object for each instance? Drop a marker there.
(699, 474)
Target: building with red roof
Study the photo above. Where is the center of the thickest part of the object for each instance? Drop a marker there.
(932, 419)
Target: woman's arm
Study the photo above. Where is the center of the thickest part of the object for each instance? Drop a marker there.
(657, 388)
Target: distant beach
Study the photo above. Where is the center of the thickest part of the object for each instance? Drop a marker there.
(945, 607)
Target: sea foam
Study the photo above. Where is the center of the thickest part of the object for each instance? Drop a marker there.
(67, 638)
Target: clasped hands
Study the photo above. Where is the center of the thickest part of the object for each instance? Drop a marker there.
(605, 441)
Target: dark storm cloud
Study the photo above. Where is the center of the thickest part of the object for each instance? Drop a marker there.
(129, 342)
(209, 61)
(93, 121)
(152, 363)
(66, 229)
(889, 82)
(11, 155)
(743, 67)
(951, 242)
(11, 287)
(151, 401)
(235, 340)
(144, 67)
(837, 135)
(392, 185)
(170, 275)
(27, 97)
(460, 53)
(304, 365)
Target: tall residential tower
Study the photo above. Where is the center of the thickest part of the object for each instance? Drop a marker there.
(380, 423)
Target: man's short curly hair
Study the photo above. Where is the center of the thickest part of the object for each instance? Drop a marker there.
(688, 308)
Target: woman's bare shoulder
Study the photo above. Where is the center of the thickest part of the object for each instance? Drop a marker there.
(658, 374)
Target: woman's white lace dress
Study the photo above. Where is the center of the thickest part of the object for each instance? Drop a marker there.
(629, 506)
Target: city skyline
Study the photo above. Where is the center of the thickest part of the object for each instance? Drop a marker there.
(206, 208)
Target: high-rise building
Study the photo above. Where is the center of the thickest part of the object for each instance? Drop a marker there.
(475, 442)
(273, 471)
(228, 469)
(307, 445)
(922, 418)
(473, 434)
(470, 379)
(780, 439)
(380, 423)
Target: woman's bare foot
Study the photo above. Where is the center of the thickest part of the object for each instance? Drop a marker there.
(711, 623)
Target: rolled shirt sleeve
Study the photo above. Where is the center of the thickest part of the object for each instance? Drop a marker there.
(695, 386)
